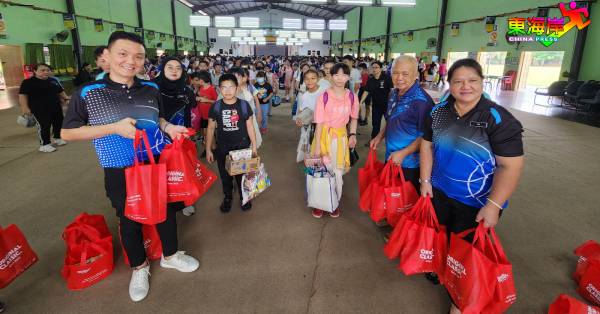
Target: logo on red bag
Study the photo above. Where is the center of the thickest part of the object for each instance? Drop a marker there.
(457, 268)
(502, 278)
(396, 195)
(134, 198)
(11, 257)
(426, 255)
(175, 176)
(593, 291)
(84, 271)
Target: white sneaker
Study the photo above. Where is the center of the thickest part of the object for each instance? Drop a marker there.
(139, 284)
(181, 262)
(60, 142)
(47, 148)
(188, 211)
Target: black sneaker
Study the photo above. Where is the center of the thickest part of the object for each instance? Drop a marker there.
(433, 277)
(2, 307)
(247, 206)
(226, 205)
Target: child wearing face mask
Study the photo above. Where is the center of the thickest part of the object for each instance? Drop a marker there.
(264, 92)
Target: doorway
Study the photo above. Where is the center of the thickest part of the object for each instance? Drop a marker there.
(539, 68)
(11, 75)
(492, 62)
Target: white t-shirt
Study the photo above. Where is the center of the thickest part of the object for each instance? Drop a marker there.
(309, 100)
(354, 78)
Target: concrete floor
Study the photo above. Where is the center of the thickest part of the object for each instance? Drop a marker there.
(277, 258)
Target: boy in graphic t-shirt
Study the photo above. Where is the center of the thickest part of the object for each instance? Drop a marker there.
(232, 120)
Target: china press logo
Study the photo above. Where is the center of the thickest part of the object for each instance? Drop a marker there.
(547, 31)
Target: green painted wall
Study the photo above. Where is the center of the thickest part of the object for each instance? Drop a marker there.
(120, 11)
(25, 25)
(157, 15)
(374, 21)
(352, 32)
(590, 67)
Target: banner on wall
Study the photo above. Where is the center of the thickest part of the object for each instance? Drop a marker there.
(163, 36)
(455, 29)
(493, 39)
(120, 27)
(150, 35)
(98, 25)
(490, 23)
(69, 21)
(138, 30)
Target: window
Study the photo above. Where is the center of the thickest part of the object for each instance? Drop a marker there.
(46, 55)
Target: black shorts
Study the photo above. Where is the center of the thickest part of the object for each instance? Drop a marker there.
(456, 216)
(203, 123)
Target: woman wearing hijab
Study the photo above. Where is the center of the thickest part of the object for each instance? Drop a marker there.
(177, 101)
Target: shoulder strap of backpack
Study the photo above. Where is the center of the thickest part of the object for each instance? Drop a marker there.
(325, 98)
(244, 105)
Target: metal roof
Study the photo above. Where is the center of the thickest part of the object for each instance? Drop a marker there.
(226, 7)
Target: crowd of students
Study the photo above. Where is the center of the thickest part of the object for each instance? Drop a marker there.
(465, 152)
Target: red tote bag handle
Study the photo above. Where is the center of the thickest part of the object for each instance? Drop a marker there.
(86, 247)
(371, 159)
(486, 240)
(141, 139)
(90, 232)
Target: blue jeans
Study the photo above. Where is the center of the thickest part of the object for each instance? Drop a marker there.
(265, 114)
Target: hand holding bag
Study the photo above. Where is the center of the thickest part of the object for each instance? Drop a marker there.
(16, 255)
(146, 186)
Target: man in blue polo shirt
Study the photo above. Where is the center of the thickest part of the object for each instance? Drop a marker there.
(407, 108)
(109, 111)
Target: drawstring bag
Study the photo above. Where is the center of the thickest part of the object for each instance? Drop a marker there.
(146, 186)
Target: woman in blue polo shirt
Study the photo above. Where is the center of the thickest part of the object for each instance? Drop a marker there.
(471, 154)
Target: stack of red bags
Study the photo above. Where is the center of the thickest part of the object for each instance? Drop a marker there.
(89, 256)
(178, 177)
(384, 191)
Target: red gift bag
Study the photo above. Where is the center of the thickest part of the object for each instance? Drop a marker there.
(180, 173)
(87, 264)
(378, 200)
(590, 250)
(146, 186)
(16, 255)
(426, 243)
(565, 304)
(399, 197)
(369, 172)
(589, 282)
(86, 227)
(152, 243)
(204, 177)
(478, 276)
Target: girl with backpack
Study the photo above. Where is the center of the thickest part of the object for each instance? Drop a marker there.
(336, 108)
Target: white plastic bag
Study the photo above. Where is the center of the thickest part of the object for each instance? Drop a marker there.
(304, 144)
(254, 183)
(321, 191)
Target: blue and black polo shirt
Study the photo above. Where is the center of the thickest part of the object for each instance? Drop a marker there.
(103, 102)
(465, 148)
(405, 120)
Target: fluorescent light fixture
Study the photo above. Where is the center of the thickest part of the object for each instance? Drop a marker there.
(310, 1)
(338, 25)
(262, 43)
(257, 33)
(249, 22)
(293, 40)
(236, 38)
(248, 38)
(223, 32)
(292, 23)
(297, 44)
(289, 43)
(316, 35)
(280, 43)
(403, 3)
(315, 24)
(260, 38)
(301, 34)
(186, 3)
(251, 43)
(285, 33)
(224, 21)
(240, 32)
(200, 20)
(304, 40)
(202, 12)
(355, 2)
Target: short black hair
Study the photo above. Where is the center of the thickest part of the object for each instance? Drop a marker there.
(126, 36)
(348, 57)
(362, 65)
(311, 71)
(236, 70)
(261, 74)
(378, 63)
(202, 75)
(99, 51)
(228, 77)
(203, 61)
(467, 63)
(340, 66)
(41, 64)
